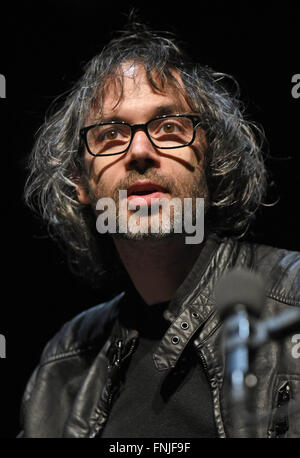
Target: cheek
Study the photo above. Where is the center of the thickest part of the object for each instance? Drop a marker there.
(97, 169)
(105, 177)
(200, 146)
(194, 158)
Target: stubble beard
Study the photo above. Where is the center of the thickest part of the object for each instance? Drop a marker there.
(168, 221)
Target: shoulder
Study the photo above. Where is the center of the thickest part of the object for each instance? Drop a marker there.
(281, 269)
(278, 267)
(84, 332)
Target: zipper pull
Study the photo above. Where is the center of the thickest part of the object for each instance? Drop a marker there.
(117, 359)
(281, 420)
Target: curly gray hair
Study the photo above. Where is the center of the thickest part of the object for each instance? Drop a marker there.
(234, 167)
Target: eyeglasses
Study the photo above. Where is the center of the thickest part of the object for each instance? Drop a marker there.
(164, 132)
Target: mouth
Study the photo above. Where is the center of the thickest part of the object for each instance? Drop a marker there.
(145, 190)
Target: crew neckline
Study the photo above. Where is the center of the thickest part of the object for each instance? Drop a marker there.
(148, 320)
(187, 286)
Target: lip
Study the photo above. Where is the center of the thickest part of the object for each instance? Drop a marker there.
(155, 191)
(145, 200)
(140, 186)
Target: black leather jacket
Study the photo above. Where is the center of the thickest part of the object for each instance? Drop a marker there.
(70, 392)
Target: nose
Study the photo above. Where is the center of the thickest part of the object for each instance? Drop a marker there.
(141, 150)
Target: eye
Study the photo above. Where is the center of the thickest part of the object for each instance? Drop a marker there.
(110, 135)
(169, 128)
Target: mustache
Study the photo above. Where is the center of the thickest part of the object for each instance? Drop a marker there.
(166, 182)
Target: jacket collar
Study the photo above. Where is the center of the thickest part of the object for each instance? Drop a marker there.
(185, 294)
(186, 311)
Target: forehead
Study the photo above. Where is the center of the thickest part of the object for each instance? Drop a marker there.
(130, 90)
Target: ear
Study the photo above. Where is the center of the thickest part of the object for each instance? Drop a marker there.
(82, 195)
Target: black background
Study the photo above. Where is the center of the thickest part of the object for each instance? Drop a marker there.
(43, 49)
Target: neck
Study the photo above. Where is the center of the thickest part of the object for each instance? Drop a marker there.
(157, 267)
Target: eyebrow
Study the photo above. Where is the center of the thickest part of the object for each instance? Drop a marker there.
(167, 110)
(162, 110)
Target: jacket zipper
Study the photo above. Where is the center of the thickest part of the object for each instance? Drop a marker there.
(281, 420)
(118, 363)
(205, 367)
(116, 367)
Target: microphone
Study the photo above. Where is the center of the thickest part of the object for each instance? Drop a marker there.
(240, 296)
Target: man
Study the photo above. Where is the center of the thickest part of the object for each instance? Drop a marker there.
(150, 362)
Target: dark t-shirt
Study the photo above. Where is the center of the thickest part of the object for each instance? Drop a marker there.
(153, 403)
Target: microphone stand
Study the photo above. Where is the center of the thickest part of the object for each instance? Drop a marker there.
(236, 335)
(275, 328)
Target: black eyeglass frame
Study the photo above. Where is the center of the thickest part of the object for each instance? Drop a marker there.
(196, 120)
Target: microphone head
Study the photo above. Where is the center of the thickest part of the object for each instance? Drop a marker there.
(240, 286)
